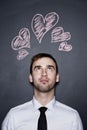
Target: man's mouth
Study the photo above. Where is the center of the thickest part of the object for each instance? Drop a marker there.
(44, 81)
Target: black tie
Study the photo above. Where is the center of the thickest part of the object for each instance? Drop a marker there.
(42, 122)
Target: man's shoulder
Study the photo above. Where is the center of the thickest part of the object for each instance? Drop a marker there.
(65, 108)
(17, 113)
(22, 107)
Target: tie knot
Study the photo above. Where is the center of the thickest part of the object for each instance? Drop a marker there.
(42, 109)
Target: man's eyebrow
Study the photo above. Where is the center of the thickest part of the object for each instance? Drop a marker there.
(52, 66)
(37, 66)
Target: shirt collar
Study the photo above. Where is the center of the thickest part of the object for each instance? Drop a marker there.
(37, 105)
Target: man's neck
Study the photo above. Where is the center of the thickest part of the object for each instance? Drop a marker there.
(43, 98)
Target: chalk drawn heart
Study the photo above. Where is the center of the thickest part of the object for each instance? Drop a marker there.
(65, 47)
(40, 25)
(58, 35)
(22, 54)
(22, 40)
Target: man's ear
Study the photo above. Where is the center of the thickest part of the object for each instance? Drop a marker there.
(30, 78)
(57, 78)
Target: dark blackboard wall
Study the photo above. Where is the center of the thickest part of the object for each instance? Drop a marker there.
(14, 86)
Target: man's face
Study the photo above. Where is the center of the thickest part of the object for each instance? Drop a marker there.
(44, 75)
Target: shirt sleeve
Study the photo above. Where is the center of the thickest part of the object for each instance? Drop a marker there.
(77, 123)
(8, 123)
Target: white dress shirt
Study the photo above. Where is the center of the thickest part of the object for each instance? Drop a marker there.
(59, 117)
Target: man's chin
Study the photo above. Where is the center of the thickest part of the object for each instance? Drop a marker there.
(43, 89)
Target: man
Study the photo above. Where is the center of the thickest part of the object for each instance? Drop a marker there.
(43, 76)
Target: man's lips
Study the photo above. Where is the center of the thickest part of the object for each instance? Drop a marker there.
(43, 80)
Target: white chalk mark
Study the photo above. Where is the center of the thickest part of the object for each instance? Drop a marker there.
(40, 25)
(58, 35)
(65, 47)
(22, 54)
(22, 40)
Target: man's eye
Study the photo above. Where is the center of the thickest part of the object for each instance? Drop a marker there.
(50, 68)
(37, 68)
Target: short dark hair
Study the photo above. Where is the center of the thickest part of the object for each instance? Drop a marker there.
(42, 55)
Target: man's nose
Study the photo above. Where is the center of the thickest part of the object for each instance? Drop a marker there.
(44, 72)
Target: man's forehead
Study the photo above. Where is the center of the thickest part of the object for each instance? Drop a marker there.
(44, 61)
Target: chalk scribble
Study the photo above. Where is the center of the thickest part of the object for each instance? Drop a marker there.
(58, 35)
(64, 46)
(22, 40)
(41, 25)
(22, 54)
